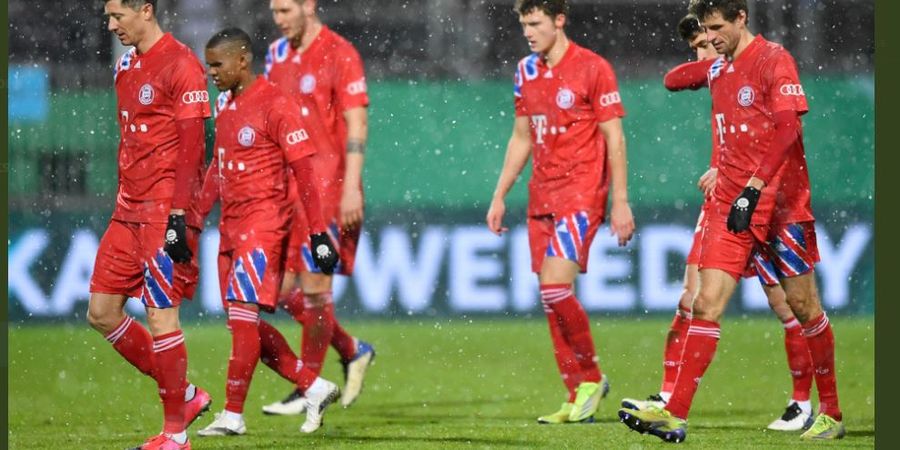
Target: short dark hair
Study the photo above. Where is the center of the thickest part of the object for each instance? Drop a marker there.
(689, 27)
(231, 35)
(729, 9)
(551, 8)
(136, 4)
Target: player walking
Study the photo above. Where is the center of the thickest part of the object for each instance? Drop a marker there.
(761, 202)
(322, 72)
(260, 139)
(798, 414)
(148, 249)
(568, 116)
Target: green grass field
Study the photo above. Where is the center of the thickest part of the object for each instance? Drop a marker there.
(436, 383)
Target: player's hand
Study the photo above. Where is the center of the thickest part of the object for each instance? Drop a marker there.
(176, 245)
(351, 208)
(495, 217)
(742, 209)
(707, 181)
(324, 254)
(621, 222)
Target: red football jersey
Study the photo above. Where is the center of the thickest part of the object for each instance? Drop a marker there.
(328, 77)
(258, 135)
(154, 89)
(564, 105)
(746, 93)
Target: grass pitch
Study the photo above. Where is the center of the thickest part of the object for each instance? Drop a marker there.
(473, 383)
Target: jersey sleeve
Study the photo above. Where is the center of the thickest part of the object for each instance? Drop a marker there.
(187, 88)
(604, 93)
(783, 84)
(517, 92)
(351, 79)
(286, 128)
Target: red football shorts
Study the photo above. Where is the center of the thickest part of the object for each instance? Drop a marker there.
(774, 251)
(299, 256)
(254, 272)
(694, 255)
(566, 236)
(131, 261)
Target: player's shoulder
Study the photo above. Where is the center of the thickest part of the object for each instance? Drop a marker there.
(336, 41)
(527, 67)
(590, 62)
(222, 101)
(715, 69)
(773, 52)
(124, 62)
(278, 50)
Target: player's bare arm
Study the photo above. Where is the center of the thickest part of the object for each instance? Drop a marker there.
(621, 221)
(352, 197)
(518, 150)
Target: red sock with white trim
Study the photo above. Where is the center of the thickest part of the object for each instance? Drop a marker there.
(820, 339)
(699, 350)
(171, 378)
(799, 359)
(293, 304)
(245, 350)
(343, 342)
(675, 340)
(276, 353)
(569, 370)
(134, 343)
(318, 328)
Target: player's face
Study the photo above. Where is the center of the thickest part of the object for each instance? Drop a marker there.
(541, 30)
(722, 34)
(225, 65)
(127, 24)
(704, 49)
(289, 17)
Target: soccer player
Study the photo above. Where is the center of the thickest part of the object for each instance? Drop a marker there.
(798, 413)
(761, 202)
(568, 116)
(260, 140)
(148, 249)
(323, 73)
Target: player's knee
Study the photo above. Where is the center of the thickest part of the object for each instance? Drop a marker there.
(707, 307)
(103, 321)
(686, 301)
(805, 304)
(777, 298)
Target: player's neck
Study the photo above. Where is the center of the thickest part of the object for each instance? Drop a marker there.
(556, 52)
(746, 40)
(245, 82)
(150, 39)
(309, 35)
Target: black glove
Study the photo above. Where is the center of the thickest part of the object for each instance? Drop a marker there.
(324, 254)
(742, 209)
(176, 239)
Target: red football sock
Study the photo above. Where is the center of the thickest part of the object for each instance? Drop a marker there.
(318, 327)
(293, 304)
(675, 340)
(820, 340)
(799, 359)
(245, 349)
(573, 345)
(171, 378)
(276, 353)
(135, 344)
(699, 350)
(343, 342)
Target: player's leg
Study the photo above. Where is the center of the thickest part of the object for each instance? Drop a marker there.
(794, 251)
(798, 413)
(117, 275)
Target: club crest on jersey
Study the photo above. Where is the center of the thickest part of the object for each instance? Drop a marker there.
(246, 136)
(565, 98)
(307, 83)
(145, 95)
(746, 96)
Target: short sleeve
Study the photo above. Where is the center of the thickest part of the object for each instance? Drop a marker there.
(605, 99)
(351, 79)
(783, 84)
(285, 126)
(187, 87)
(517, 93)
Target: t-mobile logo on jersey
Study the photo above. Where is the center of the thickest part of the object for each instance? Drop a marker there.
(539, 123)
